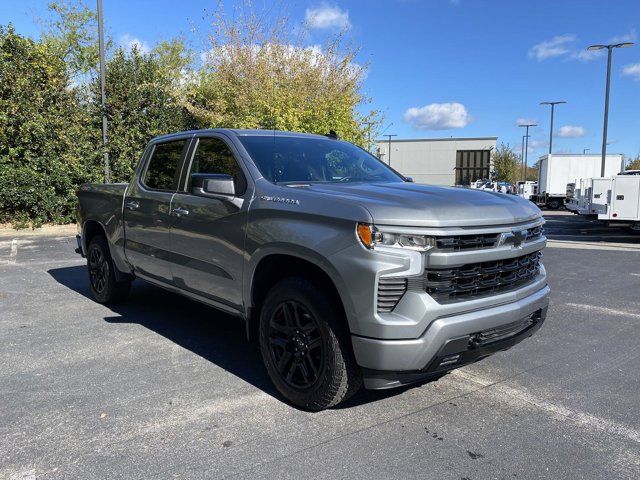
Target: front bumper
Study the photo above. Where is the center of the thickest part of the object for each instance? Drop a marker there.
(449, 339)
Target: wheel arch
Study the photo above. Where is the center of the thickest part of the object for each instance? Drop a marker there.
(93, 228)
(268, 268)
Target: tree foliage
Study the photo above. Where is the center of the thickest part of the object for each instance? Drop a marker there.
(42, 133)
(142, 103)
(256, 74)
(71, 31)
(634, 164)
(506, 164)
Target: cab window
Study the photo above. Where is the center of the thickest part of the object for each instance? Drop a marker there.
(162, 172)
(212, 155)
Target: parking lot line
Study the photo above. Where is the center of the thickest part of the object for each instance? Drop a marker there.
(585, 419)
(607, 311)
(14, 251)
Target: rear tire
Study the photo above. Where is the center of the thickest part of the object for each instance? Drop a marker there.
(102, 277)
(306, 345)
(553, 204)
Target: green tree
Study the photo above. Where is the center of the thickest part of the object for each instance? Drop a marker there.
(634, 164)
(43, 138)
(256, 75)
(506, 164)
(72, 32)
(141, 103)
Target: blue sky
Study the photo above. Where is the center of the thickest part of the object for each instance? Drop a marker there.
(445, 68)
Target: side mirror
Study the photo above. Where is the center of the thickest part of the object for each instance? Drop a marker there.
(409, 179)
(212, 185)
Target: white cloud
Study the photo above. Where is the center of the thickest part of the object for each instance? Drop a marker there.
(537, 145)
(571, 131)
(327, 16)
(587, 55)
(526, 121)
(568, 47)
(438, 116)
(632, 70)
(129, 42)
(556, 47)
(632, 36)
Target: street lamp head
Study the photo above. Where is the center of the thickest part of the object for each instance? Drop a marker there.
(552, 103)
(615, 45)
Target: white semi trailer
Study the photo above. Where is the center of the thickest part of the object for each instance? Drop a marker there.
(557, 170)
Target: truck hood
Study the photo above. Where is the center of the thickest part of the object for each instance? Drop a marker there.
(411, 204)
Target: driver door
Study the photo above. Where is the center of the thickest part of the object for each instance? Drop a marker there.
(208, 233)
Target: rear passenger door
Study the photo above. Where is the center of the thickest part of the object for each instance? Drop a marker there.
(208, 233)
(147, 216)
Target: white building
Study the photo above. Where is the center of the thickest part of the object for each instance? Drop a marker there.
(440, 161)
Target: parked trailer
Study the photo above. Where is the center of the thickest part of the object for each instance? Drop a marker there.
(557, 170)
(600, 193)
(527, 189)
(623, 202)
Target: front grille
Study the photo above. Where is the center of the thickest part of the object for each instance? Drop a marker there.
(447, 285)
(390, 291)
(456, 243)
(466, 242)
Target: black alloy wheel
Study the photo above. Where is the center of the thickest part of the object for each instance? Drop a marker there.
(104, 283)
(295, 345)
(98, 270)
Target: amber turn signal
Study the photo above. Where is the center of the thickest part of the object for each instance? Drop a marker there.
(365, 234)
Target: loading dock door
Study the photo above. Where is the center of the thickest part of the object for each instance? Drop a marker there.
(472, 165)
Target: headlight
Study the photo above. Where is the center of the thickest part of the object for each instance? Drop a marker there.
(371, 237)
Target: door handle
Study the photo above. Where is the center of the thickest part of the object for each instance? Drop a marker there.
(178, 212)
(133, 205)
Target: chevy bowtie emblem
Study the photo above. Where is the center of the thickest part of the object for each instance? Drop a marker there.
(515, 238)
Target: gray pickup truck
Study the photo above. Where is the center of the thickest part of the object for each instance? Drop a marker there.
(344, 271)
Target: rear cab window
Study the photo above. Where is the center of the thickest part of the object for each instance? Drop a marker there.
(162, 170)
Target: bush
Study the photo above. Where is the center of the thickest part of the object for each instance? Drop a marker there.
(43, 136)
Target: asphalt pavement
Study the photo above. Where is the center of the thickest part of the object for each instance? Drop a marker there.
(163, 387)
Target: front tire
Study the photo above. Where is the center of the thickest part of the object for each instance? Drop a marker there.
(102, 276)
(306, 345)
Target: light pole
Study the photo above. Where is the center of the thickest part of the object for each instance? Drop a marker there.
(526, 148)
(606, 96)
(103, 94)
(553, 104)
(389, 137)
(522, 156)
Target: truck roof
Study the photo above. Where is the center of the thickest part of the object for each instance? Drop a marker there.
(240, 133)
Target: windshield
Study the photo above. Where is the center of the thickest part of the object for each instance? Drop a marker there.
(306, 160)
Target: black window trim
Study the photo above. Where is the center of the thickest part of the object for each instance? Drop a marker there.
(179, 167)
(188, 162)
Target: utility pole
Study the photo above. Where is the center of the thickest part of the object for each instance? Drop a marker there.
(522, 159)
(107, 175)
(606, 96)
(526, 149)
(389, 137)
(553, 104)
